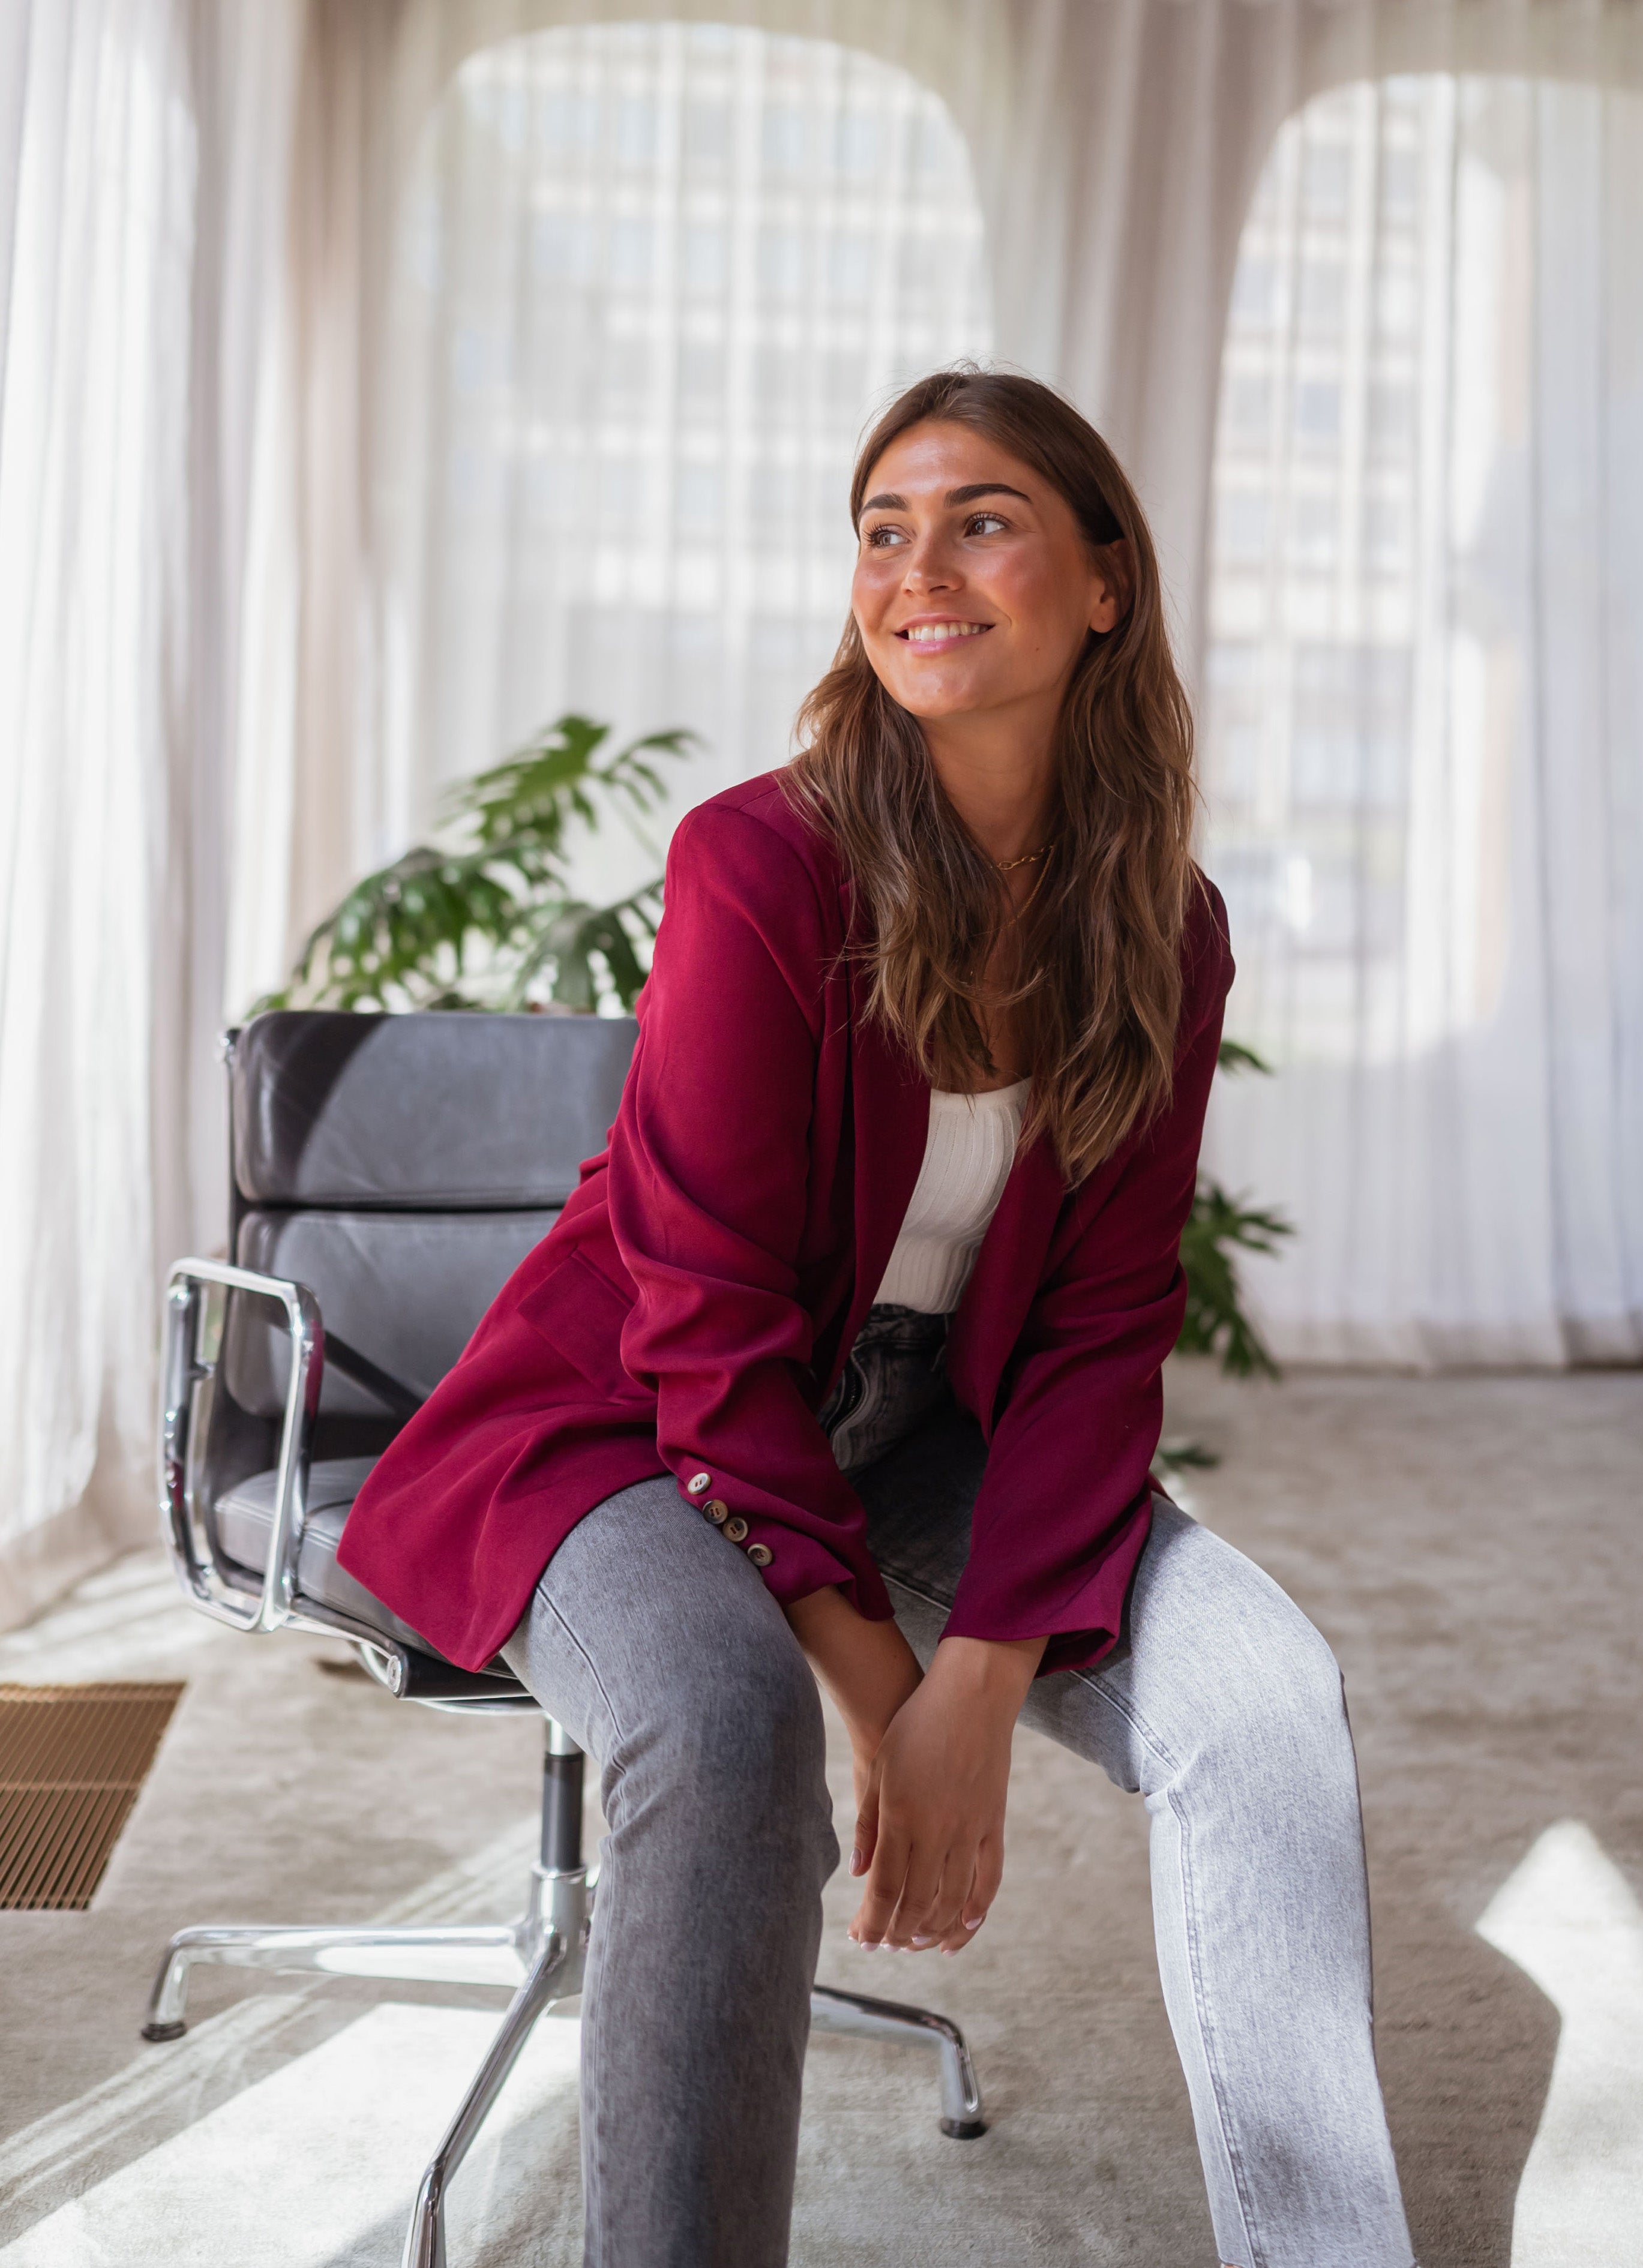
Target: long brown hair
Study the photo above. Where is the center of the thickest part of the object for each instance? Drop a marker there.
(1096, 972)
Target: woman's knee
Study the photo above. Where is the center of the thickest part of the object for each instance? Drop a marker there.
(757, 1718)
(1281, 1736)
(1251, 1669)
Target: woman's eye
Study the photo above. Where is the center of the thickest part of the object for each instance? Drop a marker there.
(879, 539)
(983, 523)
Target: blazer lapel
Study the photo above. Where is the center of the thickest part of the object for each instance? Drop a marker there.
(983, 1331)
(890, 1103)
(890, 1111)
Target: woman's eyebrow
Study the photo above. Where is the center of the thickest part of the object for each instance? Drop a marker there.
(888, 502)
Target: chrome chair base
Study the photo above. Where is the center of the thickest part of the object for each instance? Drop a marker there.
(560, 1903)
(862, 2018)
(548, 1943)
(554, 1974)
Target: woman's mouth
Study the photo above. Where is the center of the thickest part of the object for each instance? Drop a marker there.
(941, 638)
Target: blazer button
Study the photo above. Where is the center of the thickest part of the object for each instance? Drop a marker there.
(715, 1510)
(760, 1554)
(698, 1482)
(736, 1529)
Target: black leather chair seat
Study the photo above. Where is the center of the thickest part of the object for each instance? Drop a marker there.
(244, 1523)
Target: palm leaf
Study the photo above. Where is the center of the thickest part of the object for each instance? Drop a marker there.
(1235, 1055)
(482, 916)
(1215, 1321)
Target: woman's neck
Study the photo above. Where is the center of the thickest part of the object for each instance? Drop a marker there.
(1002, 787)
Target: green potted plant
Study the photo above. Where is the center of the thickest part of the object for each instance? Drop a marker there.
(484, 916)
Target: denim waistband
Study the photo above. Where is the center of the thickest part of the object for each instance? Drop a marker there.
(893, 1376)
(901, 1330)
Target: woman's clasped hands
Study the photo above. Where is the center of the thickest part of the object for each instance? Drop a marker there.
(932, 1755)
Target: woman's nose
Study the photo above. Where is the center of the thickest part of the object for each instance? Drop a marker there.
(930, 568)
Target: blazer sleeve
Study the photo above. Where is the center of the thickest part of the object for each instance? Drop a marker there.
(708, 1190)
(1065, 1505)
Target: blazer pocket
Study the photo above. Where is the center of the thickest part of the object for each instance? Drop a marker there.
(580, 1314)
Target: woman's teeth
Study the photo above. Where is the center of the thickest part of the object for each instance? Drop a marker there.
(930, 633)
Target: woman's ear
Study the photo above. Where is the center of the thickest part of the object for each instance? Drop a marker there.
(1114, 585)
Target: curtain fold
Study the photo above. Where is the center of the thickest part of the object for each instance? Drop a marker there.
(132, 292)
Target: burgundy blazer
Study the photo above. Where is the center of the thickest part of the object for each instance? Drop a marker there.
(695, 1300)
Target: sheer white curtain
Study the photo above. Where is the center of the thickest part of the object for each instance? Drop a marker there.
(119, 525)
(1423, 719)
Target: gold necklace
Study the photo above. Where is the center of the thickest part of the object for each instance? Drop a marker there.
(1027, 858)
(1028, 900)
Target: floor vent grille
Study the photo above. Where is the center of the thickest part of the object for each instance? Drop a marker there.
(73, 1758)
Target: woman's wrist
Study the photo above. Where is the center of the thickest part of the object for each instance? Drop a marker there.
(867, 1667)
(989, 1670)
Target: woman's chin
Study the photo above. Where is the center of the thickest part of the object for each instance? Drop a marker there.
(931, 695)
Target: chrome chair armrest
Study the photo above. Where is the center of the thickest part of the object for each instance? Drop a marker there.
(188, 1364)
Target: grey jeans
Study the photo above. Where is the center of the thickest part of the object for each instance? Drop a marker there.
(656, 1644)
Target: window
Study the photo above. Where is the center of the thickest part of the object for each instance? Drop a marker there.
(1371, 737)
(1423, 726)
(653, 281)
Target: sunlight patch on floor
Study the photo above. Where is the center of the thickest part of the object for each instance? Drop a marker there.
(307, 2167)
(1568, 1917)
(115, 1625)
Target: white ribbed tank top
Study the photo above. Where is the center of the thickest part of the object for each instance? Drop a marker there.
(967, 1162)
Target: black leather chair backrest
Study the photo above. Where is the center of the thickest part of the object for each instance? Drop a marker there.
(401, 1167)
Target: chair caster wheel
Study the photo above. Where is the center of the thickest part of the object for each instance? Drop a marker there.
(963, 2130)
(164, 2031)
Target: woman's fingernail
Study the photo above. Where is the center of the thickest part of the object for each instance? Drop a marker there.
(924, 1940)
(976, 1923)
(855, 1862)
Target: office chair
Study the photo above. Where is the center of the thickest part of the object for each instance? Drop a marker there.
(389, 1172)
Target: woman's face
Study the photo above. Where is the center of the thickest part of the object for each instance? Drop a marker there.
(974, 588)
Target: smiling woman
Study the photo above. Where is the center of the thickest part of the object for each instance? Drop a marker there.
(1004, 688)
(876, 1277)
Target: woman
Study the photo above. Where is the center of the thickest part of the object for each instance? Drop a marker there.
(873, 1282)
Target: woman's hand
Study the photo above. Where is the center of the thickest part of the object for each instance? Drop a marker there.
(930, 1821)
(868, 1668)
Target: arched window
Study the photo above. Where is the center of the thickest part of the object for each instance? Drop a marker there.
(652, 278)
(1424, 722)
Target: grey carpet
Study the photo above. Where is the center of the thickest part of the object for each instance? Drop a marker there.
(1469, 1544)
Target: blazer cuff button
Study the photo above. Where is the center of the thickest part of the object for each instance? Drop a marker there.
(698, 1482)
(760, 1554)
(736, 1529)
(716, 1511)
